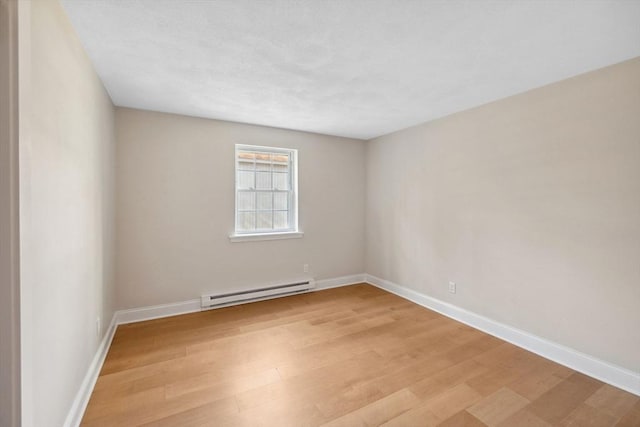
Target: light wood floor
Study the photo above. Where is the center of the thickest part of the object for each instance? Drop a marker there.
(343, 357)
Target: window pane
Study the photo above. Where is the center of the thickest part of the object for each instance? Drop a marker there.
(280, 162)
(244, 165)
(265, 220)
(281, 201)
(246, 159)
(277, 167)
(265, 201)
(263, 165)
(280, 220)
(280, 181)
(263, 180)
(280, 158)
(246, 180)
(264, 157)
(246, 201)
(246, 221)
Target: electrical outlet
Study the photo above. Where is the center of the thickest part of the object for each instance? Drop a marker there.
(98, 330)
(305, 268)
(452, 287)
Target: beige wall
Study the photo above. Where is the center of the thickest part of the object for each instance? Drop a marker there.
(531, 204)
(175, 208)
(9, 237)
(67, 213)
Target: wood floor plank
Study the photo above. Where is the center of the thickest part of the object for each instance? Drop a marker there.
(497, 407)
(493, 380)
(588, 416)
(462, 419)
(631, 418)
(612, 401)
(535, 383)
(447, 378)
(418, 415)
(554, 405)
(350, 356)
(379, 411)
(524, 418)
(453, 400)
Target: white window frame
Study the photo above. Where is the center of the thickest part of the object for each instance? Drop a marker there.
(292, 231)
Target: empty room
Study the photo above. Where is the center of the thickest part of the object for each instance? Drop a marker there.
(319, 213)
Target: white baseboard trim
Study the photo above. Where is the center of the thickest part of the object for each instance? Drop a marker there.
(615, 375)
(158, 311)
(337, 282)
(79, 405)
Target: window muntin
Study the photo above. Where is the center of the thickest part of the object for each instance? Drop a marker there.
(266, 181)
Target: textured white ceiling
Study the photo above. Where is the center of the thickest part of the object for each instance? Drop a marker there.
(356, 68)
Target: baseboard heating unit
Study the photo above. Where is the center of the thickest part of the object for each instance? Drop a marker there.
(259, 294)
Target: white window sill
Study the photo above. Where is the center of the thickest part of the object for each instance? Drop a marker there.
(234, 238)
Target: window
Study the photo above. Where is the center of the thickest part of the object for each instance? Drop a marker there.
(266, 196)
